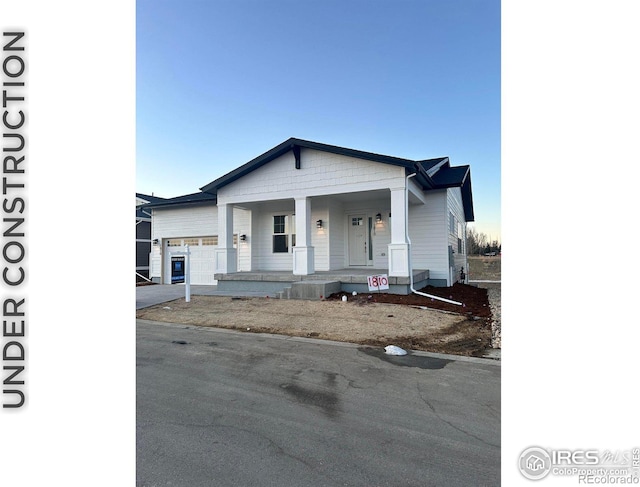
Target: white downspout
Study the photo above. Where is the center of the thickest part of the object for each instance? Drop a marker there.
(406, 231)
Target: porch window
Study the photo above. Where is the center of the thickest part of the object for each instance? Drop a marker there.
(280, 235)
(283, 231)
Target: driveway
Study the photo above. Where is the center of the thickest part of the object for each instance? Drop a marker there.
(160, 293)
(219, 407)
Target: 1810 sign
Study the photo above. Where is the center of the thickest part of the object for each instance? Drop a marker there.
(378, 283)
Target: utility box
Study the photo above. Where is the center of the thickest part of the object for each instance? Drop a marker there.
(177, 270)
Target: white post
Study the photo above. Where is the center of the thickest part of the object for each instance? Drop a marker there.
(398, 249)
(226, 256)
(303, 252)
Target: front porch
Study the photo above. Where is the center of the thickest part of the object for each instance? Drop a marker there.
(319, 284)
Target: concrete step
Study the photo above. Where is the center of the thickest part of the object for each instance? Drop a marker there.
(284, 294)
(314, 289)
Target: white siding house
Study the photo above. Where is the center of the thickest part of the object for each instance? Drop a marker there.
(304, 208)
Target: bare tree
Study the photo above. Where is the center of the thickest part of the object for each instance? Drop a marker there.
(479, 243)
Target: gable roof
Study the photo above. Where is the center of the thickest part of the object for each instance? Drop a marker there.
(295, 145)
(430, 173)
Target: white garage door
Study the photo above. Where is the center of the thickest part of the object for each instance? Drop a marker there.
(202, 257)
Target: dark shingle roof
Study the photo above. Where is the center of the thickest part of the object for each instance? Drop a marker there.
(186, 199)
(140, 212)
(149, 198)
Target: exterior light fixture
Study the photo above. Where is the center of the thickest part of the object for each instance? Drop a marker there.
(243, 237)
(378, 218)
(319, 224)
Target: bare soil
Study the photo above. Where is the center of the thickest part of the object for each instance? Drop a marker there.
(410, 322)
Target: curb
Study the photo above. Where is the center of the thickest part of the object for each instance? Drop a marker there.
(318, 341)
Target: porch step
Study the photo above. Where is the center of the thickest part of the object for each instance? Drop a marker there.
(310, 290)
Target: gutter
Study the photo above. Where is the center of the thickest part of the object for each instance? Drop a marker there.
(406, 232)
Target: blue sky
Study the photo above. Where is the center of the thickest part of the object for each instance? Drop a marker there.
(221, 82)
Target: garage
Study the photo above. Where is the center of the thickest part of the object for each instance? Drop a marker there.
(202, 257)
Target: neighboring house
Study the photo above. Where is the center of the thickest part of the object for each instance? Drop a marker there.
(143, 235)
(305, 210)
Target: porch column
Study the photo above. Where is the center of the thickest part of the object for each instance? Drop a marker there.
(303, 256)
(226, 255)
(398, 254)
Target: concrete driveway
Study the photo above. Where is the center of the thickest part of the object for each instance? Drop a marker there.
(161, 293)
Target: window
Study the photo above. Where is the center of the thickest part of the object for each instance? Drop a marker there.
(452, 223)
(174, 242)
(284, 231)
(356, 221)
(280, 235)
(214, 240)
(191, 242)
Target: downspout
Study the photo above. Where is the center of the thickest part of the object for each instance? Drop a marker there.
(406, 232)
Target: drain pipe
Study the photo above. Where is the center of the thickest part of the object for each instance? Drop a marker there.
(406, 232)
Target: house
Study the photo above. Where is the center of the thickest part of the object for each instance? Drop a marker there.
(143, 235)
(306, 211)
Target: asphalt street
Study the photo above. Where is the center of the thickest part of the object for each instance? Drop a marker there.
(227, 408)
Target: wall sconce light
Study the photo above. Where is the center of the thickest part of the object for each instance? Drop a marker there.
(155, 241)
(243, 237)
(378, 218)
(319, 224)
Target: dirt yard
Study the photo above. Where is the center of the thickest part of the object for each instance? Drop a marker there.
(370, 319)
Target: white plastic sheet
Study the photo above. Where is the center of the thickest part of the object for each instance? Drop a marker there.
(393, 350)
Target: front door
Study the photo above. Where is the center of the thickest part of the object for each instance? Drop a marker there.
(358, 250)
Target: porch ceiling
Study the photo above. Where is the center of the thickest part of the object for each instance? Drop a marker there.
(380, 194)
